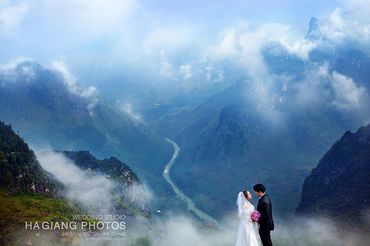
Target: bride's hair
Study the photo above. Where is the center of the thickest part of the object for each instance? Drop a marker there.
(245, 192)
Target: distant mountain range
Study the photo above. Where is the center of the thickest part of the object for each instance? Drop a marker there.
(227, 138)
(339, 186)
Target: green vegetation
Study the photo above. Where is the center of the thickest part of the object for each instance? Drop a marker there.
(15, 210)
(20, 172)
(27, 192)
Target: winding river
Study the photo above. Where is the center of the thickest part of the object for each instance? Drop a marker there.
(190, 204)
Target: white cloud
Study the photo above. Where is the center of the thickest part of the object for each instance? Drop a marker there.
(11, 16)
(312, 90)
(71, 81)
(347, 94)
(243, 45)
(167, 39)
(19, 68)
(68, 78)
(345, 23)
(139, 195)
(93, 190)
(90, 189)
(166, 68)
(13, 64)
(228, 44)
(357, 9)
(333, 27)
(29, 72)
(127, 108)
(320, 85)
(183, 231)
(92, 17)
(89, 92)
(186, 72)
(301, 47)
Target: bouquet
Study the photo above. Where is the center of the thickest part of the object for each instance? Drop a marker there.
(255, 216)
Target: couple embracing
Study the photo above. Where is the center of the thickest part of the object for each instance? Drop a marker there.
(255, 225)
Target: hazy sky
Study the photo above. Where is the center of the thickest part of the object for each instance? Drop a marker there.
(47, 29)
(168, 38)
(226, 12)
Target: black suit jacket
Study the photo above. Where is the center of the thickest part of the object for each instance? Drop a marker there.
(265, 208)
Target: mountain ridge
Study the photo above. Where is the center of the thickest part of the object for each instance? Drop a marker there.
(338, 186)
(47, 111)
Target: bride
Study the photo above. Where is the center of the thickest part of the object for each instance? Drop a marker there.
(248, 230)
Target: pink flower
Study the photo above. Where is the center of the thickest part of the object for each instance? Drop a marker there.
(255, 216)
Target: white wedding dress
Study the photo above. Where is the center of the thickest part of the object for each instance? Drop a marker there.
(248, 230)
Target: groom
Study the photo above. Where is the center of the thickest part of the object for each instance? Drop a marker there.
(265, 208)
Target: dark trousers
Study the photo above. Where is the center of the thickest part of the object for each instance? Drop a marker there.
(265, 237)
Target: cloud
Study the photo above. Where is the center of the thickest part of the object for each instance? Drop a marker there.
(167, 39)
(243, 44)
(166, 68)
(312, 89)
(127, 108)
(24, 69)
(68, 78)
(343, 23)
(347, 94)
(357, 9)
(89, 92)
(334, 26)
(71, 81)
(189, 58)
(300, 47)
(92, 17)
(10, 66)
(19, 69)
(183, 231)
(322, 86)
(91, 189)
(314, 231)
(139, 195)
(227, 47)
(88, 188)
(185, 71)
(11, 16)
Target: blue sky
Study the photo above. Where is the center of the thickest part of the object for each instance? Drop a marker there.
(57, 27)
(226, 12)
(183, 41)
(112, 46)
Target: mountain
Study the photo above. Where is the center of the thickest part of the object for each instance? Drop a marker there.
(230, 138)
(27, 192)
(347, 56)
(313, 32)
(48, 108)
(125, 180)
(339, 186)
(20, 172)
(271, 129)
(111, 167)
